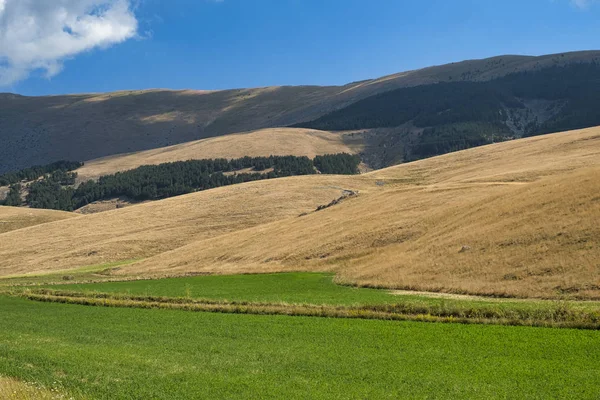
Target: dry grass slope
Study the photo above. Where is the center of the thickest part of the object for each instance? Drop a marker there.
(148, 229)
(526, 213)
(12, 218)
(265, 142)
(515, 218)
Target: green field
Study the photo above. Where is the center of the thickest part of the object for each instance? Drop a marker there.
(320, 289)
(313, 288)
(292, 288)
(140, 354)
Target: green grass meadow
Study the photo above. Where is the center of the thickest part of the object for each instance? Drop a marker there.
(316, 289)
(313, 288)
(135, 353)
(121, 353)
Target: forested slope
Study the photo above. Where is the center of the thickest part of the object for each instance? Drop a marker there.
(451, 116)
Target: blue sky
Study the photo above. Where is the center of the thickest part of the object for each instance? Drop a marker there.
(106, 45)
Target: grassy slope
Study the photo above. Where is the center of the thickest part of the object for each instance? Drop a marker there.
(405, 229)
(409, 232)
(12, 218)
(265, 142)
(148, 229)
(88, 126)
(131, 354)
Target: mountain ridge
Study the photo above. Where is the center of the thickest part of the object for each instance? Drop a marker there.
(39, 130)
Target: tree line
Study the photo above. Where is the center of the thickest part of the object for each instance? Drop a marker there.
(341, 164)
(153, 182)
(35, 172)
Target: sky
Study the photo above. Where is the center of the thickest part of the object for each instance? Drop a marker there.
(81, 46)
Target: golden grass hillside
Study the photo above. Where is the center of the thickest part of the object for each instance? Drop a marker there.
(148, 229)
(12, 218)
(265, 142)
(516, 218)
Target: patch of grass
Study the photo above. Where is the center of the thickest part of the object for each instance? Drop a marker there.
(137, 354)
(313, 288)
(87, 273)
(293, 288)
(14, 389)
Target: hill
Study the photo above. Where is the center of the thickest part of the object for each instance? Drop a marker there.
(12, 218)
(261, 143)
(39, 130)
(515, 218)
(148, 229)
(451, 223)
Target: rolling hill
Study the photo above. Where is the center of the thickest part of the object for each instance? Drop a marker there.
(515, 218)
(12, 218)
(264, 142)
(148, 229)
(508, 219)
(39, 130)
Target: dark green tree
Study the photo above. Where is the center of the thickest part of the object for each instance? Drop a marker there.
(14, 196)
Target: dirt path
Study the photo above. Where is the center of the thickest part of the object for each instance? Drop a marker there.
(453, 296)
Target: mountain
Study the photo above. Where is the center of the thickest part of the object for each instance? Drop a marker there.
(39, 130)
(517, 218)
(428, 120)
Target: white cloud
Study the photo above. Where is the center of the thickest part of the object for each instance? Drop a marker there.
(41, 34)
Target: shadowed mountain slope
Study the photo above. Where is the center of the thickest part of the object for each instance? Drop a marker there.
(39, 130)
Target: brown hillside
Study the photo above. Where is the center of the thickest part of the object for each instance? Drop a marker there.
(264, 142)
(525, 212)
(38, 130)
(12, 218)
(515, 218)
(148, 229)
